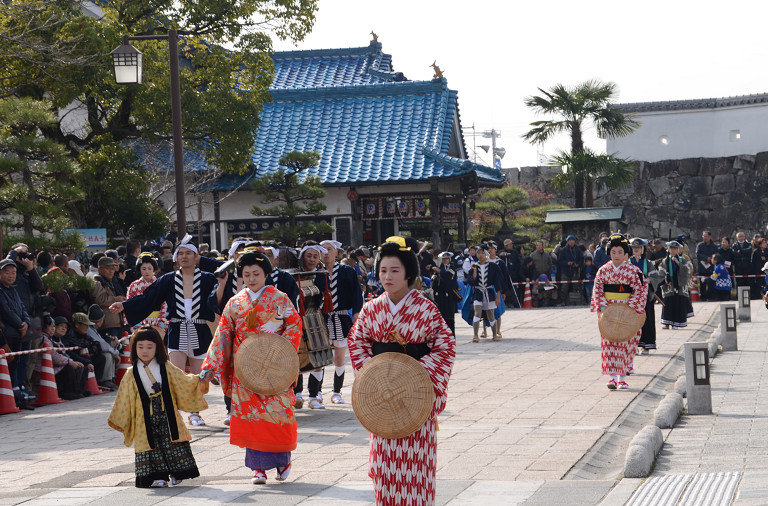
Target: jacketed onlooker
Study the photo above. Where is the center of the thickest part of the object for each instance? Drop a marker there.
(759, 257)
(601, 257)
(28, 283)
(727, 254)
(742, 251)
(542, 260)
(104, 293)
(16, 321)
(70, 380)
(705, 265)
(108, 346)
(132, 249)
(570, 260)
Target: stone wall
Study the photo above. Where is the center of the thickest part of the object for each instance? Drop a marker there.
(687, 196)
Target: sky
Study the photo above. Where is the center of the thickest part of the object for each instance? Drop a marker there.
(496, 53)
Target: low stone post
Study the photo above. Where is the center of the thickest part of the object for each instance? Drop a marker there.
(744, 312)
(698, 388)
(728, 327)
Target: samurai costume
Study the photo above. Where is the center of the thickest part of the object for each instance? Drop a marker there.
(674, 291)
(619, 285)
(486, 283)
(146, 411)
(403, 470)
(264, 425)
(190, 334)
(654, 277)
(346, 296)
(446, 289)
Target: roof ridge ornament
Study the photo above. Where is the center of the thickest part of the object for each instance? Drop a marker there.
(375, 38)
(438, 72)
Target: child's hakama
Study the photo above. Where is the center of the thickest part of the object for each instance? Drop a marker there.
(403, 470)
(675, 293)
(142, 415)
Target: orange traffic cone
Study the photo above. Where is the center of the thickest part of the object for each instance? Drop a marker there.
(694, 291)
(7, 400)
(125, 362)
(48, 392)
(527, 300)
(92, 385)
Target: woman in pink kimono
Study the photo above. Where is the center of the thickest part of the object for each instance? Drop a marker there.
(403, 470)
(619, 282)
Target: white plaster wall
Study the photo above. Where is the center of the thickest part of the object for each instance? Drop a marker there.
(696, 133)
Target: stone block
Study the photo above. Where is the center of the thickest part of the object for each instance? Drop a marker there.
(710, 202)
(744, 162)
(698, 186)
(652, 434)
(637, 462)
(659, 186)
(666, 413)
(734, 198)
(682, 204)
(680, 385)
(723, 183)
(688, 166)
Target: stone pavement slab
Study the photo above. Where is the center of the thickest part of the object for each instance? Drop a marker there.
(521, 414)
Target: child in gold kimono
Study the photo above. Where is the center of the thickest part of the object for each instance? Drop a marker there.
(146, 411)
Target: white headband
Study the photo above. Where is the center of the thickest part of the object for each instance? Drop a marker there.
(184, 244)
(315, 247)
(273, 250)
(335, 244)
(236, 246)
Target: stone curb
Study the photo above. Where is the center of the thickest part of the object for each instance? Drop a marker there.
(647, 443)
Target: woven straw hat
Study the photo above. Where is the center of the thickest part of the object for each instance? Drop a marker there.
(392, 395)
(266, 363)
(619, 323)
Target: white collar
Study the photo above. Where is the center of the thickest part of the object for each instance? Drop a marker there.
(154, 367)
(254, 295)
(394, 308)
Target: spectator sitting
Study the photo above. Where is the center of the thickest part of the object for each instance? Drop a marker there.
(16, 320)
(108, 346)
(78, 336)
(70, 380)
(544, 293)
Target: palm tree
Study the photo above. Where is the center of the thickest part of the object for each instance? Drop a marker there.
(570, 108)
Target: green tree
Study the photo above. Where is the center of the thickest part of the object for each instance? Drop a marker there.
(605, 171)
(290, 193)
(503, 203)
(36, 171)
(569, 109)
(56, 49)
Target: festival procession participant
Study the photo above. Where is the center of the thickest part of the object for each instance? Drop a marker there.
(186, 293)
(677, 272)
(346, 295)
(618, 282)
(486, 281)
(403, 470)
(146, 266)
(309, 260)
(446, 289)
(506, 285)
(265, 425)
(146, 411)
(648, 268)
(279, 278)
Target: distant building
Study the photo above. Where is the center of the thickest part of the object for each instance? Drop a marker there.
(393, 157)
(708, 128)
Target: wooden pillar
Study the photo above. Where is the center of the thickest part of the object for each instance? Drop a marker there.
(435, 213)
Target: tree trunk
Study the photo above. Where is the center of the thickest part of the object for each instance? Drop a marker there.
(577, 144)
(589, 200)
(27, 177)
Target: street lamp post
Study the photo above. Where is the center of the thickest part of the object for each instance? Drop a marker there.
(127, 62)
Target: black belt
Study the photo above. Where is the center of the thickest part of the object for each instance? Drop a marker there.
(617, 288)
(415, 350)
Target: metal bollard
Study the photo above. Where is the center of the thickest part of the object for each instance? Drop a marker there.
(699, 392)
(745, 309)
(728, 327)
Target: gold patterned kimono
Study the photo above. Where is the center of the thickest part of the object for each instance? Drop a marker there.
(127, 414)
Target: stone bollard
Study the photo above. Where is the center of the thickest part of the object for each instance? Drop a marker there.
(744, 312)
(728, 327)
(698, 389)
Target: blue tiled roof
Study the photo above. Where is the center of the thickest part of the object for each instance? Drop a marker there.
(333, 67)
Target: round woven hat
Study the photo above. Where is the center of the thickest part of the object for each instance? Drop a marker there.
(392, 395)
(619, 323)
(266, 363)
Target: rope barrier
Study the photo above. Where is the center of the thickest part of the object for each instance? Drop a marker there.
(39, 350)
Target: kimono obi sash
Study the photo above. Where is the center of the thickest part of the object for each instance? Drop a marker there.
(415, 350)
(617, 291)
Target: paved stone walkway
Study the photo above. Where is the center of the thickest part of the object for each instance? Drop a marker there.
(524, 419)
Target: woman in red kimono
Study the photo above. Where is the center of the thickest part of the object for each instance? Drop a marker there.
(618, 282)
(264, 425)
(403, 470)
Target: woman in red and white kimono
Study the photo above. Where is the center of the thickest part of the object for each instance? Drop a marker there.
(146, 264)
(619, 282)
(265, 425)
(403, 470)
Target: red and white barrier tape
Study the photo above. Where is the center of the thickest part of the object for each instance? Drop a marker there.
(40, 350)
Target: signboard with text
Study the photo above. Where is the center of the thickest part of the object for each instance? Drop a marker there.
(93, 237)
